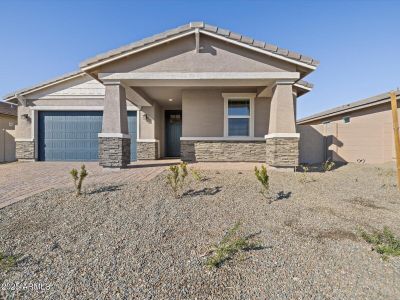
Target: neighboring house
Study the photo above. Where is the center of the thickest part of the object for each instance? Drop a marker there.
(198, 92)
(361, 131)
(8, 120)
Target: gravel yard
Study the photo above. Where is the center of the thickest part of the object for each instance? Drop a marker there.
(138, 241)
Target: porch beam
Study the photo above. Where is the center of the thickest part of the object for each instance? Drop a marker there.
(265, 92)
(199, 75)
(131, 94)
(136, 98)
(197, 39)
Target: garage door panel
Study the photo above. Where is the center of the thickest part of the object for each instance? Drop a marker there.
(73, 135)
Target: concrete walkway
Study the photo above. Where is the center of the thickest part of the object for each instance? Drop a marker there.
(20, 180)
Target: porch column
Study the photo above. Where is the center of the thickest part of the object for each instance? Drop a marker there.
(282, 141)
(114, 139)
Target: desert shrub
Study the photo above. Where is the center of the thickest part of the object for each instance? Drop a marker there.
(196, 174)
(7, 261)
(78, 178)
(176, 178)
(328, 165)
(384, 242)
(263, 178)
(304, 176)
(231, 244)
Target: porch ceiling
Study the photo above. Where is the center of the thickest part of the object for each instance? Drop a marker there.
(163, 94)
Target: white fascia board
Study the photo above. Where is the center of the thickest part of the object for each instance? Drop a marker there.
(303, 87)
(198, 75)
(128, 53)
(258, 50)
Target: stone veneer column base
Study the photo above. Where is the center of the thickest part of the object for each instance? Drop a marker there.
(282, 151)
(147, 150)
(196, 150)
(25, 150)
(114, 152)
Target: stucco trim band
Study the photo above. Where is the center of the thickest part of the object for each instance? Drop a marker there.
(203, 138)
(282, 135)
(77, 108)
(114, 135)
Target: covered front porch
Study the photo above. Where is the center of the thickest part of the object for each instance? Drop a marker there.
(202, 116)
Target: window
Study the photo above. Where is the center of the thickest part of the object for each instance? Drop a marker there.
(239, 117)
(346, 119)
(239, 120)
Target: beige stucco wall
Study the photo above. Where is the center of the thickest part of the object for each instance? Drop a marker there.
(203, 113)
(215, 56)
(150, 127)
(368, 136)
(7, 142)
(311, 145)
(23, 129)
(261, 116)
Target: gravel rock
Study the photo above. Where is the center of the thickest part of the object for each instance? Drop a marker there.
(137, 241)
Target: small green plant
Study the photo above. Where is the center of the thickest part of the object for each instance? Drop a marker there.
(263, 178)
(7, 261)
(328, 165)
(231, 244)
(384, 242)
(305, 177)
(78, 179)
(176, 178)
(196, 174)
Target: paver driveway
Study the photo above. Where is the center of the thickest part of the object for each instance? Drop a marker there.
(22, 179)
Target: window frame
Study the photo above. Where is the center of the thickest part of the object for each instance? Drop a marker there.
(238, 96)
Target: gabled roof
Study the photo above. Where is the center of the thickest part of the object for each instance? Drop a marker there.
(166, 36)
(8, 109)
(45, 84)
(204, 28)
(357, 105)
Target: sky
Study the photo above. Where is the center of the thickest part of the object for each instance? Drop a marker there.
(357, 42)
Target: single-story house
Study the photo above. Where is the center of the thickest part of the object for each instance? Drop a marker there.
(8, 120)
(360, 131)
(198, 92)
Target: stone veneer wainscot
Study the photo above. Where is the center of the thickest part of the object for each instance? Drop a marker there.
(219, 150)
(114, 152)
(282, 151)
(25, 150)
(147, 150)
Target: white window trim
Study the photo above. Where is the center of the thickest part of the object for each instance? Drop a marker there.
(233, 96)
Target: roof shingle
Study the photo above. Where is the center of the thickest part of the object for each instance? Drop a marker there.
(206, 27)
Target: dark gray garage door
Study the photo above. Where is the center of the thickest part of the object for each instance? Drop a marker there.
(73, 135)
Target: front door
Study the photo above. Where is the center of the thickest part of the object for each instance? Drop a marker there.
(173, 133)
